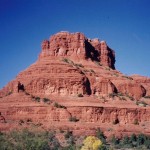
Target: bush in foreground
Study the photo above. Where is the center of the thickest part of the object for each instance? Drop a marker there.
(91, 143)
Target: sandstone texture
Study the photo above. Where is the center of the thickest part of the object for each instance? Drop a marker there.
(77, 47)
(74, 84)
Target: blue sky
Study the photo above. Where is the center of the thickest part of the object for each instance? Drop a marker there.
(123, 24)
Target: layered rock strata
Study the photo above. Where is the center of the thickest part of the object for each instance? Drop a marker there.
(80, 74)
(76, 46)
(71, 64)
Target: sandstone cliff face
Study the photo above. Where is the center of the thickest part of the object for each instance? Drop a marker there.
(80, 74)
(52, 78)
(19, 109)
(77, 47)
(95, 115)
(71, 64)
(130, 87)
(144, 81)
(103, 87)
(110, 115)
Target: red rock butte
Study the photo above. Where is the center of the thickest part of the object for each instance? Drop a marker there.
(74, 84)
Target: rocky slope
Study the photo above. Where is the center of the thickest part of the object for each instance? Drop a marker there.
(74, 84)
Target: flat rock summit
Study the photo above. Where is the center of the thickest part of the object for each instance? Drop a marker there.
(74, 85)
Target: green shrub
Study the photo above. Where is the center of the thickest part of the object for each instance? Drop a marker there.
(61, 130)
(29, 120)
(142, 103)
(59, 106)
(21, 122)
(98, 63)
(70, 147)
(130, 97)
(37, 99)
(46, 100)
(120, 94)
(115, 74)
(92, 70)
(5, 143)
(24, 140)
(103, 147)
(85, 70)
(114, 140)
(133, 138)
(79, 65)
(56, 105)
(68, 134)
(112, 95)
(138, 142)
(127, 77)
(107, 68)
(141, 138)
(43, 140)
(53, 142)
(101, 136)
(65, 60)
(125, 140)
(147, 143)
(122, 98)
